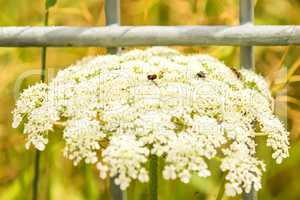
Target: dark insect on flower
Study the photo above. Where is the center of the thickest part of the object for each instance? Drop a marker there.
(152, 77)
(236, 72)
(201, 74)
(218, 118)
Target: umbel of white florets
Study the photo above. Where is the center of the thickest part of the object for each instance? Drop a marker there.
(123, 158)
(82, 139)
(117, 111)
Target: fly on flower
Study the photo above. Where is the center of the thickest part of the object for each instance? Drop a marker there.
(152, 77)
(236, 72)
(201, 74)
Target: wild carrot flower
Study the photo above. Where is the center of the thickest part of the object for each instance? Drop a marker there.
(118, 110)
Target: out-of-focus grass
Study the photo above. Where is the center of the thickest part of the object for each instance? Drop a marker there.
(59, 179)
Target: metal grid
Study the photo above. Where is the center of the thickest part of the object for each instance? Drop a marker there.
(114, 36)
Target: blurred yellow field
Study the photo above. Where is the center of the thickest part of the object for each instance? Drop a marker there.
(59, 179)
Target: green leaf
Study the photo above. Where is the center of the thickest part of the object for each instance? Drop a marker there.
(50, 3)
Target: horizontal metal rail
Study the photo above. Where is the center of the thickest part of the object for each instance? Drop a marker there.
(114, 36)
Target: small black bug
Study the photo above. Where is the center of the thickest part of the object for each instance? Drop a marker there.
(152, 77)
(236, 72)
(201, 74)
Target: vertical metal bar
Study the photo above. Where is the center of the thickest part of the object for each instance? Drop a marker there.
(250, 196)
(247, 58)
(246, 17)
(112, 15)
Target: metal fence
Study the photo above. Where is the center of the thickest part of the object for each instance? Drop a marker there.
(113, 36)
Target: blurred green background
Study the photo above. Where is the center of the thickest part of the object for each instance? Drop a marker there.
(59, 179)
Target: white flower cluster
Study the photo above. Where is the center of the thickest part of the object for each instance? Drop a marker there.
(124, 158)
(119, 110)
(244, 170)
(82, 140)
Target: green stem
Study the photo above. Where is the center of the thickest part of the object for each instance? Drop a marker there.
(89, 192)
(124, 195)
(44, 50)
(49, 180)
(36, 175)
(222, 188)
(43, 62)
(37, 153)
(153, 177)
